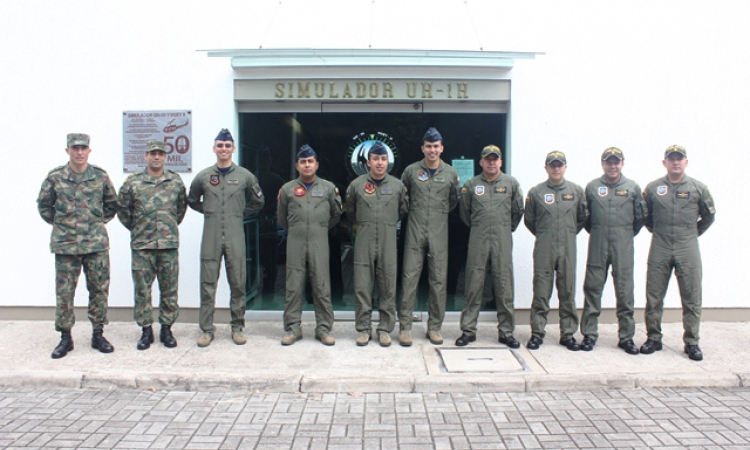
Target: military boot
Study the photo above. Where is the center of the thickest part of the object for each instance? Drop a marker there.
(147, 338)
(99, 342)
(65, 346)
(166, 338)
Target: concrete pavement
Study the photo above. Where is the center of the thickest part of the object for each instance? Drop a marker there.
(264, 365)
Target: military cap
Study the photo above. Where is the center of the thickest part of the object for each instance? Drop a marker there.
(155, 146)
(555, 156)
(432, 135)
(224, 135)
(377, 148)
(491, 150)
(675, 149)
(612, 151)
(305, 152)
(78, 139)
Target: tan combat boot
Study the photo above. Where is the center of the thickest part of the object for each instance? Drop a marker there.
(290, 338)
(363, 338)
(239, 337)
(435, 337)
(385, 339)
(404, 338)
(325, 338)
(205, 339)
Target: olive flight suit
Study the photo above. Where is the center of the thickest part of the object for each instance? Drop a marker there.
(555, 215)
(375, 210)
(431, 198)
(616, 215)
(492, 210)
(224, 201)
(677, 214)
(308, 214)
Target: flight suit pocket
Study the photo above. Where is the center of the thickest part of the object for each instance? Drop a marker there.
(209, 271)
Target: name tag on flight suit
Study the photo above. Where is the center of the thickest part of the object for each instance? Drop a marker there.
(500, 189)
(386, 191)
(621, 192)
(316, 193)
(567, 197)
(233, 181)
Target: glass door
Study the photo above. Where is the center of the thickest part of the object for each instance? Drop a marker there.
(269, 143)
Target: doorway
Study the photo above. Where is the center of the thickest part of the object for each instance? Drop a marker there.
(269, 143)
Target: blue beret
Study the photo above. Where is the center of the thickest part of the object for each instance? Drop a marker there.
(224, 135)
(377, 148)
(305, 152)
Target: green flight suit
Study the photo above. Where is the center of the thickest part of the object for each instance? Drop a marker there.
(616, 215)
(431, 198)
(677, 214)
(224, 201)
(152, 208)
(375, 210)
(492, 210)
(308, 214)
(555, 215)
(78, 206)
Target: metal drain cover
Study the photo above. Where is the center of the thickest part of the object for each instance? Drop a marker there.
(481, 360)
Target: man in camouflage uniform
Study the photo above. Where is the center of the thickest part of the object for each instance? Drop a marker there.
(225, 194)
(375, 202)
(308, 207)
(680, 209)
(151, 204)
(433, 193)
(78, 199)
(555, 213)
(491, 205)
(616, 215)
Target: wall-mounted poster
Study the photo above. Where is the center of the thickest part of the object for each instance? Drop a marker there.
(173, 127)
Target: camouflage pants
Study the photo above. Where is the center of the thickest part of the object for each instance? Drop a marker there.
(165, 266)
(67, 270)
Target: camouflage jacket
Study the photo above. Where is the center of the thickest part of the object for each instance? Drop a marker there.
(152, 208)
(77, 206)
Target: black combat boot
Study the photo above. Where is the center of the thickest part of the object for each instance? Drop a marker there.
(166, 336)
(147, 338)
(65, 346)
(99, 342)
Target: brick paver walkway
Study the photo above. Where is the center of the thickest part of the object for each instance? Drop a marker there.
(662, 419)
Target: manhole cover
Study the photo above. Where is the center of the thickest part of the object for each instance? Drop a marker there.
(481, 360)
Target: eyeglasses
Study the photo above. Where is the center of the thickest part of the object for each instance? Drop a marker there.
(220, 145)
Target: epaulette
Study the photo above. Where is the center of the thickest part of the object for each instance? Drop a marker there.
(98, 168)
(56, 169)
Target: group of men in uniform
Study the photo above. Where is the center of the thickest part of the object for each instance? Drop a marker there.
(78, 199)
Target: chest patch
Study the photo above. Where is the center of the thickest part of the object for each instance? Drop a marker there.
(683, 195)
(299, 191)
(386, 191)
(549, 198)
(501, 189)
(621, 192)
(479, 190)
(369, 188)
(603, 191)
(464, 190)
(214, 180)
(568, 197)
(423, 176)
(661, 190)
(316, 193)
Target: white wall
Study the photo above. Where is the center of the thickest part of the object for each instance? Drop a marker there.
(640, 75)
